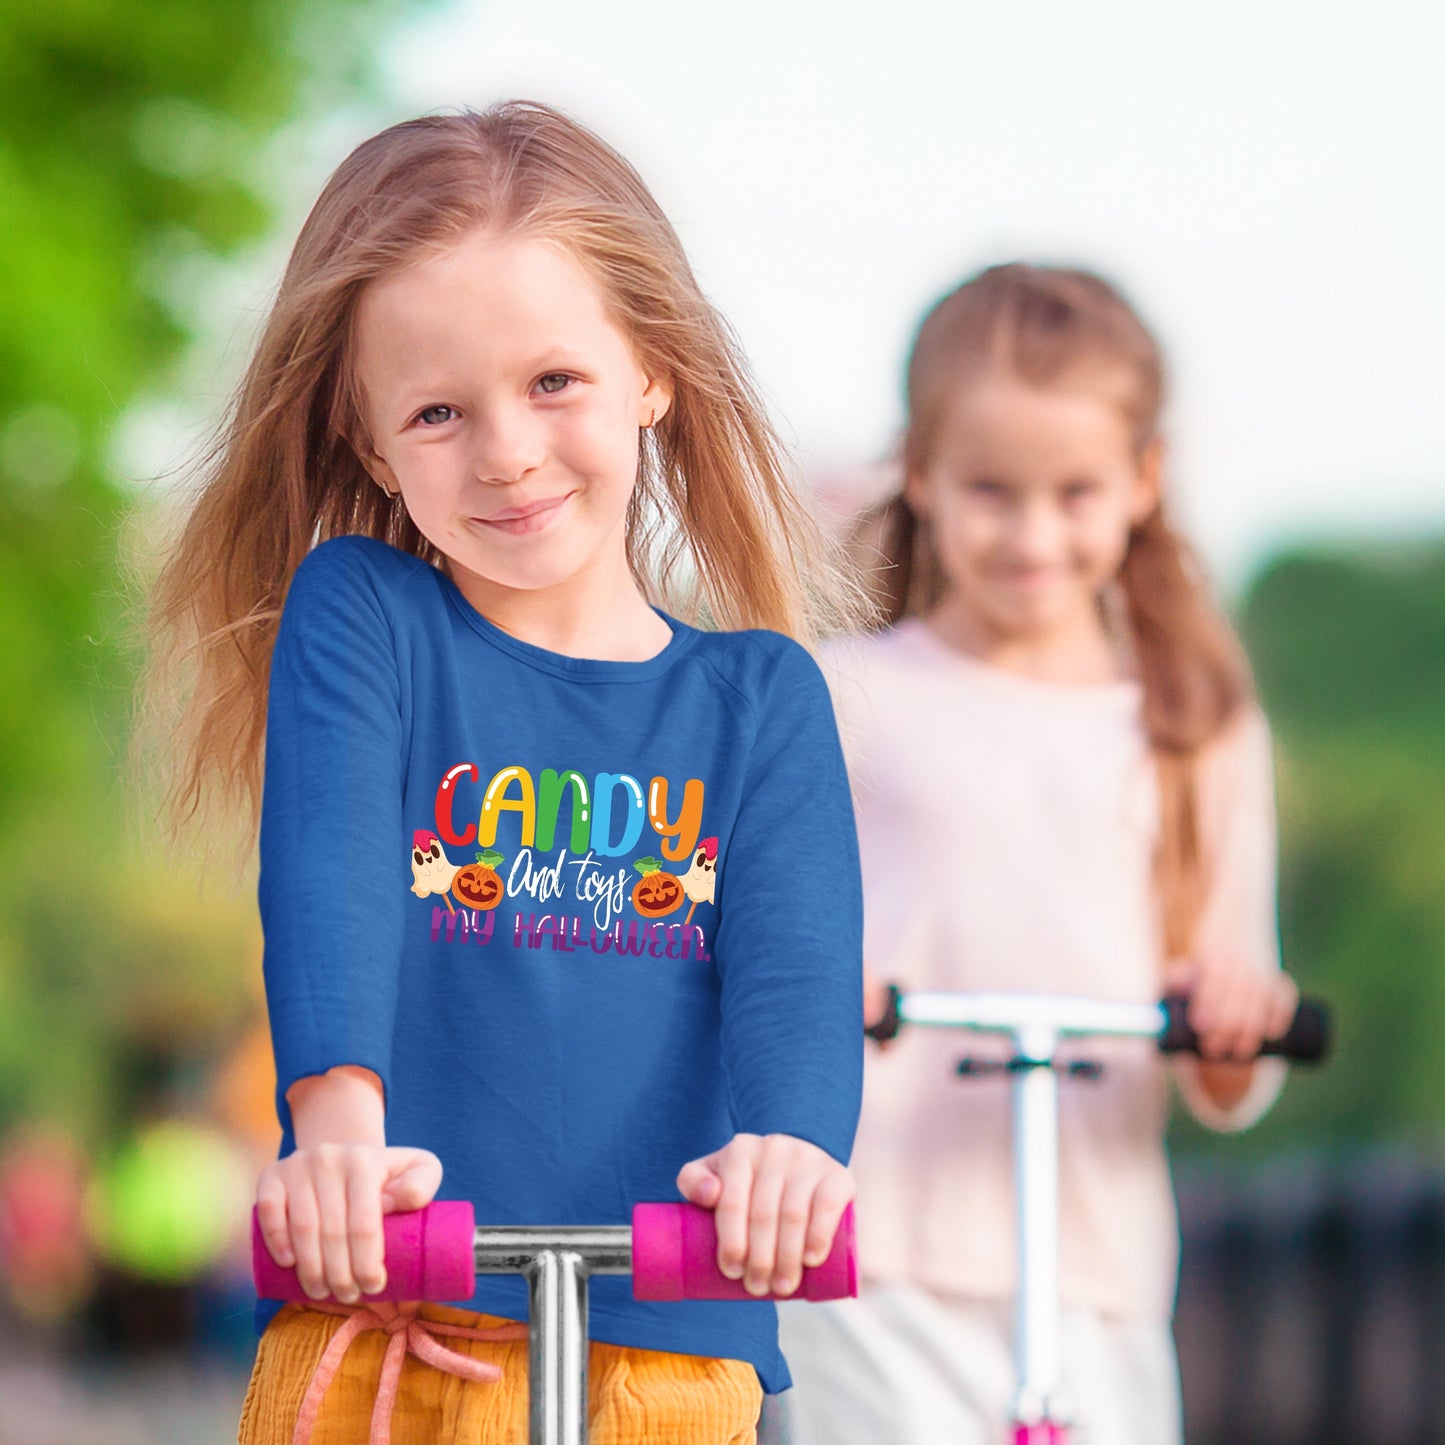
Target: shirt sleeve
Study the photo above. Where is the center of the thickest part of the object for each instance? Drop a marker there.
(789, 946)
(1239, 845)
(331, 878)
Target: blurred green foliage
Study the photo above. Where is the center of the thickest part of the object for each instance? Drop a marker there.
(1349, 649)
(133, 145)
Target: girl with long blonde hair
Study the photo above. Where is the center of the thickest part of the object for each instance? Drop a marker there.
(493, 448)
(1064, 786)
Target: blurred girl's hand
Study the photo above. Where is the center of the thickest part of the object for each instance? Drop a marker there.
(1235, 1007)
(875, 1002)
(777, 1200)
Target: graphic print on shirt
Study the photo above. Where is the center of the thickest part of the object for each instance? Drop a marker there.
(699, 880)
(478, 885)
(431, 870)
(600, 820)
(658, 892)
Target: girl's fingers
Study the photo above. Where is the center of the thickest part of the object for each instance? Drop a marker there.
(271, 1216)
(830, 1199)
(1223, 1014)
(733, 1167)
(413, 1178)
(776, 1205)
(1284, 1004)
(699, 1183)
(302, 1215)
(332, 1205)
(1240, 1009)
(795, 1213)
(764, 1218)
(1215, 1012)
(367, 1246)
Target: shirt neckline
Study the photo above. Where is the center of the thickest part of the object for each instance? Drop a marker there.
(575, 669)
(915, 632)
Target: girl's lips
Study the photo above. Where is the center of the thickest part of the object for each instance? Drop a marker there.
(517, 521)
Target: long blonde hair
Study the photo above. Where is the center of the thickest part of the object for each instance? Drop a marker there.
(715, 527)
(1048, 326)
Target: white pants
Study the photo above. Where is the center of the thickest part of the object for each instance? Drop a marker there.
(901, 1366)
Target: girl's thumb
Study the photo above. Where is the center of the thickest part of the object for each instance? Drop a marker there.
(413, 1178)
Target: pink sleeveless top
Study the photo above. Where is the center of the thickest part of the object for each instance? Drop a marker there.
(1007, 829)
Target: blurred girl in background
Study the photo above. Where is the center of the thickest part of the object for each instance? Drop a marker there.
(1063, 785)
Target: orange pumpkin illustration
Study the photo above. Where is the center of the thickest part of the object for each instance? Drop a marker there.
(657, 893)
(478, 885)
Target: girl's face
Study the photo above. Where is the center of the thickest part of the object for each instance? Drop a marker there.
(1031, 493)
(505, 404)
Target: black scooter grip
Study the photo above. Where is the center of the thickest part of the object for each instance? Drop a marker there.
(1306, 1041)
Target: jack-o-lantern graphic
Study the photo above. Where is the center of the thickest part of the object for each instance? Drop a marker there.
(479, 885)
(657, 893)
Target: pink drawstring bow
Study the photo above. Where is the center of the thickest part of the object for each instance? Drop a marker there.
(410, 1334)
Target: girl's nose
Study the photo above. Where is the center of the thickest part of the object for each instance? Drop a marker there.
(1033, 533)
(509, 446)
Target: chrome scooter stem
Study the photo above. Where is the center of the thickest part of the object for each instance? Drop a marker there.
(1036, 1182)
(557, 1264)
(1036, 1024)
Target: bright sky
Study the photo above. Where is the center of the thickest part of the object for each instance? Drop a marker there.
(1264, 179)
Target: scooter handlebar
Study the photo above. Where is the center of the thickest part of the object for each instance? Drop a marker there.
(1306, 1041)
(430, 1255)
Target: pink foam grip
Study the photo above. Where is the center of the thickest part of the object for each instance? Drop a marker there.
(674, 1256)
(429, 1256)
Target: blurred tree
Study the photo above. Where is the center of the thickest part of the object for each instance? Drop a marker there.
(132, 145)
(1349, 648)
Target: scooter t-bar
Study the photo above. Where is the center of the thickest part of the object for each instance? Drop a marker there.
(1038, 1024)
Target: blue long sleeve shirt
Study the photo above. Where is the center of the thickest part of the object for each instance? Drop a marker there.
(586, 920)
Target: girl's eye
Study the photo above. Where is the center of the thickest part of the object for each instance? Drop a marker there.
(436, 415)
(553, 382)
(1078, 491)
(986, 487)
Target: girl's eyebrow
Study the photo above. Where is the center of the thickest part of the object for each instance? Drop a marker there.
(556, 358)
(539, 363)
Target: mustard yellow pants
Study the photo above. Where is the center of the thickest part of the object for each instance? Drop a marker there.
(636, 1397)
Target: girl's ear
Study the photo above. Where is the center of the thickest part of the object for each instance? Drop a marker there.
(377, 468)
(1148, 481)
(656, 399)
(915, 493)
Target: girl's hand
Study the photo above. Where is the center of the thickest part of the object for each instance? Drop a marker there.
(1235, 1007)
(777, 1200)
(875, 1002)
(320, 1211)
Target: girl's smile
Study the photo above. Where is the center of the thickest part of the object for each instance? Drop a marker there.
(522, 520)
